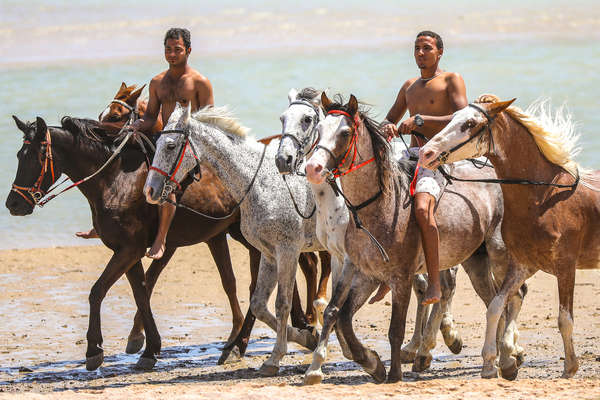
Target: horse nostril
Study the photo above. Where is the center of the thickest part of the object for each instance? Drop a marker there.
(289, 160)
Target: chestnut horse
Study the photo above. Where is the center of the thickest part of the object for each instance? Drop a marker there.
(551, 205)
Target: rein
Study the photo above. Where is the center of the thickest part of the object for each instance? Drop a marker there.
(443, 157)
(166, 191)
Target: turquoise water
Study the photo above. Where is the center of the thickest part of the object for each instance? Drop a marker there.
(69, 63)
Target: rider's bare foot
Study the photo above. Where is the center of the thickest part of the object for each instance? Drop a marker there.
(156, 251)
(91, 234)
(381, 292)
(432, 295)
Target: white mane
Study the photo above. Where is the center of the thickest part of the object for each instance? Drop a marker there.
(222, 118)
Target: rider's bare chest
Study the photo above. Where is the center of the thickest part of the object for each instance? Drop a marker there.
(181, 90)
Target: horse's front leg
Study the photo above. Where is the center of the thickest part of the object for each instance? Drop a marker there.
(286, 275)
(409, 351)
(400, 300)
(136, 338)
(119, 263)
(314, 374)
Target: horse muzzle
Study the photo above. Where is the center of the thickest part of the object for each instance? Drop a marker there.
(285, 164)
(17, 206)
(154, 187)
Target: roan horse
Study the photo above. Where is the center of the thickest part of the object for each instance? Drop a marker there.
(299, 135)
(551, 205)
(468, 220)
(126, 107)
(268, 220)
(124, 221)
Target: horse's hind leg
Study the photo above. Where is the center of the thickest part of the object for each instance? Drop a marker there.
(438, 312)
(409, 352)
(321, 302)
(219, 250)
(566, 285)
(368, 359)
(136, 338)
(400, 300)
(119, 263)
(308, 264)
(135, 276)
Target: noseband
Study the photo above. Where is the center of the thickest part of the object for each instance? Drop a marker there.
(352, 147)
(35, 191)
(443, 157)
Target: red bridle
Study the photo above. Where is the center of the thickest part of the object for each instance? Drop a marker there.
(36, 192)
(351, 148)
(171, 176)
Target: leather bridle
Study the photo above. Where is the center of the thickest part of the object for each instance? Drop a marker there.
(35, 191)
(302, 144)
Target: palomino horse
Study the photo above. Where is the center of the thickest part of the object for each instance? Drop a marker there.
(268, 220)
(124, 109)
(126, 226)
(551, 206)
(468, 220)
(299, 122)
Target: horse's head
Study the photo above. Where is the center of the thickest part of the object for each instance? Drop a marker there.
(337, 134)
(298, 123)
(467, 135)
(37, 169)
(124, 103)
(174, 158)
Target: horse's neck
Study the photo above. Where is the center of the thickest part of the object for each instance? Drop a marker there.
(516, 156)
(234, 161)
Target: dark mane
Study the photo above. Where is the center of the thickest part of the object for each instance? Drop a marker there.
(381, 148)
(90, 131)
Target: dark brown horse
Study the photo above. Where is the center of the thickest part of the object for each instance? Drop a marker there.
(124, 221)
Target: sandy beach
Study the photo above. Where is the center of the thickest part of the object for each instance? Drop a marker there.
(43, 322)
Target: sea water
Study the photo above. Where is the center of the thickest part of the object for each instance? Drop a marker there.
(62, 58)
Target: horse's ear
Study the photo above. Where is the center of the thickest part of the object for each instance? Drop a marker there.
(292, 95)
(21, 125)
(352, 105)
(325, 102)
(135, 94)
(123, 86)
(498, 107)
(41, 128)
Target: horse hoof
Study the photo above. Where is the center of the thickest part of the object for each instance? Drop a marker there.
(394, 376)
(407, 357)
(421, 363)
(92, 363)
(489, 374)
(268, 370)
(145, 363)
(378, 373)
(135, 344)
(510, 373)
(520, 359)
(313, 378)
(230, 356)
(457, 346)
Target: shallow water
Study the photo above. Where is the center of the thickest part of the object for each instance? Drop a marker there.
(65, 59)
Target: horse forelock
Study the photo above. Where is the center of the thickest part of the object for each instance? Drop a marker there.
(221, 118)
(310, 94)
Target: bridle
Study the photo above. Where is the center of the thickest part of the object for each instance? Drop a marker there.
(171, 184)
(352, 148)
(133, 113)
(302, 144)
(443, 157)
(35, 191)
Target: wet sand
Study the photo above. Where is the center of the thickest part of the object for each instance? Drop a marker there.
(44, 315)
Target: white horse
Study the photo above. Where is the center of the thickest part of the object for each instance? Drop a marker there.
(268, 219)
(299, 133)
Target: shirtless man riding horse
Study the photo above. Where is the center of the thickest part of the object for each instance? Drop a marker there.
(180, 83)
(431, 99)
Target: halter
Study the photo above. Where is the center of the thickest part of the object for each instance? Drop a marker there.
(167, 189)
(35, 191)
(301, 144)
(336, 172)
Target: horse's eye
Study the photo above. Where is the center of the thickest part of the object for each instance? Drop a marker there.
(307, 119)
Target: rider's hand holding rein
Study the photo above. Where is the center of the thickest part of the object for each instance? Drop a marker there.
(389, 129)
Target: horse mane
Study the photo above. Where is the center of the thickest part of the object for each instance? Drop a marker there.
(92, 131)
(222, 118)
(554, 134)
(381, 147)
(309, 94)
